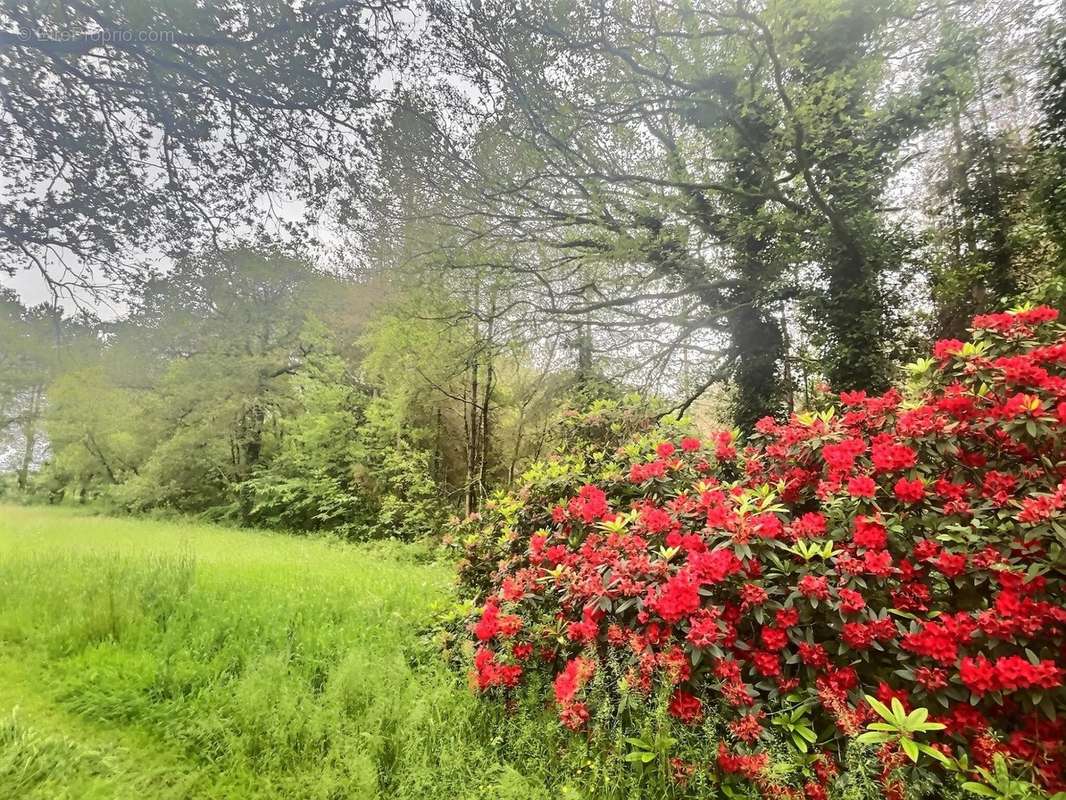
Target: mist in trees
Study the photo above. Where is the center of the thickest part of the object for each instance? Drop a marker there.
(371, 256)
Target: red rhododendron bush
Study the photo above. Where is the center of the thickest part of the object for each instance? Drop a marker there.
(906, 547)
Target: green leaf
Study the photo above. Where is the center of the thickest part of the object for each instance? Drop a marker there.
(910, 748)
(898, 711)
(880, 708)
(883, 726)
(931, 726)
(979, 789)
(807, 733)
(916, 718)
(932, 752)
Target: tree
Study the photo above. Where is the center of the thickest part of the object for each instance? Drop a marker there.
(988, 241)
(133, 125)
(467, 392)
(680, 173)
(36, 346)
(1050, 162)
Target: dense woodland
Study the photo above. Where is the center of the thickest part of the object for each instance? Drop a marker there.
(351, 266)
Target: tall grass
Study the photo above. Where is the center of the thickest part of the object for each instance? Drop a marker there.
(185, 661)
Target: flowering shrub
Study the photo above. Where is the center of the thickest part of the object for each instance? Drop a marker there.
(585, 443)
(907, 546)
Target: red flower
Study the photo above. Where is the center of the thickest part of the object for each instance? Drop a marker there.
(774, 639)
(655, 520)
(862, 486)
(590, 504)
(787, 618)
(752, 594)
(840, 457)
(888, 456)
(766, 664)
(703, 572)
(574, 715)
(678, 598)
(1010, 674)
(886, 694)
(813, 655)
(979, 675)
(952, 565)
(909, 491)
(685, 707)
(857, 635)
(750, 766)
(488, 626)
(869, 534)
(575, 675)
(877, 562)
(748, 728)
(851, 601)
(946, 348)
(704, 630)
(931, 678)
(814, 587)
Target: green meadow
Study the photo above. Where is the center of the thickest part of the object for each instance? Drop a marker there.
(146, 659)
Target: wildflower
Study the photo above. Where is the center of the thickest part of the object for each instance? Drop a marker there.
(748, 728)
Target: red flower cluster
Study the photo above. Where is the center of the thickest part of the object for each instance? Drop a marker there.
(567, 684)
(1008, 674)
(908, 547)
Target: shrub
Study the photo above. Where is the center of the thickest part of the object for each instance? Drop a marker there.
(588, 438)
(848, 567)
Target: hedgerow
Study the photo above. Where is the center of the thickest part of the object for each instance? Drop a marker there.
(882, 575)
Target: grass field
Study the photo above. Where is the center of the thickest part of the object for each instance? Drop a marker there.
(144, 659)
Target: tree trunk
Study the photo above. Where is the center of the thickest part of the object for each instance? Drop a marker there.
(472, 437)
(759, 349)
(486, 419)
(29, 436)
(252, 436)
(855, 319)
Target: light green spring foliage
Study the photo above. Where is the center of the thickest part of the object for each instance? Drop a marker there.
(143, 658)
(234, 393)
